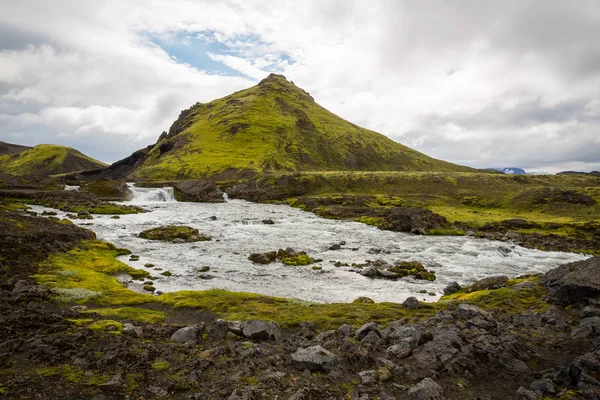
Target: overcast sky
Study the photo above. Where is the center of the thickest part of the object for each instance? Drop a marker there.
(480, 83)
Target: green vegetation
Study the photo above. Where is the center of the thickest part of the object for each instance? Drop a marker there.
(45, 160)
(297, 259)
(161, 365)
(274, 126)
(72, 374)
(131, 313)
(107, 325)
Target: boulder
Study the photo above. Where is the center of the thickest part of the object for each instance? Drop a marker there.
(418, 220)
(218, 329)
(314, 358)
(261, 330)
(205, 191)
(400, 350)
(187, 335)
(411, 303)
(174, 233)
(372, 339)
(588, 327)
(574, 283)
(427, 389)
(452, 288)
(365, 329)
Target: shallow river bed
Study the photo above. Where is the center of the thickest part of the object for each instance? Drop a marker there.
(238, 230)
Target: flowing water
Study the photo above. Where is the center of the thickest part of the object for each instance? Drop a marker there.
(237, 230)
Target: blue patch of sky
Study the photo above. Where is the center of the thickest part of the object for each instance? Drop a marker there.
(193, 48)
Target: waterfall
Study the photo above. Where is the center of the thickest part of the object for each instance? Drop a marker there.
(225, 197)
(151, 195)
(72, 188)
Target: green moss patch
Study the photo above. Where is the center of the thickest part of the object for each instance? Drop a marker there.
(131, 313)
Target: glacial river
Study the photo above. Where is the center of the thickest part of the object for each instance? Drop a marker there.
(237, 230)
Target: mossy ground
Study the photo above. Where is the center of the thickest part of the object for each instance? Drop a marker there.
(90, 268)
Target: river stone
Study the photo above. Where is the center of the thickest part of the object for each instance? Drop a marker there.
(189, 334)
(261, 330)
(131, 330)
(314, 358)
(427, 389)
(469, 311)
(452, 288)
(411, 303)
(365, 329)
(370, 272)
(574, 283)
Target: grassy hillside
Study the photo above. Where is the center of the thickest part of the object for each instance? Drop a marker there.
(46, 159)
(274, 126)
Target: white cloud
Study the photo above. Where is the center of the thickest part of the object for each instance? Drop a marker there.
(513, 83)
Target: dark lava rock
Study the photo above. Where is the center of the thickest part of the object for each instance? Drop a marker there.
(575, 282)
(205, 191)
(365, 329)
(452, 288)
(174, 233)
(411, 303)
(405, 219)
(261, 330)
(314, 358)
(268, 221)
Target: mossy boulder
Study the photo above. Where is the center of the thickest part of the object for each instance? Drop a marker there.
(382, 269)
(175, 234)
(288, 256)
(109, 190)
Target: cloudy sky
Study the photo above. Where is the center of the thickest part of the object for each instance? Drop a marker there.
(481, 83)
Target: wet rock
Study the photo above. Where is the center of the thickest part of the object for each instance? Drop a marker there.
(206, 276)
(188, 335)
(205, 268)
(314, 358)
(368, 377)
(370, 272)
(365, 329)
(492, 282)
(201, 190)
(268, 221)
(452, 288)
(131, 330)
(174, 234)
(574, 283)
(427, 389)
(469, 311)
(411, 303)
(261, 330)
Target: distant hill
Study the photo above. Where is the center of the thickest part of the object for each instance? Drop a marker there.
(9, 148)
(593, 173)
(43, 160)
(511, 171)
(273, 126)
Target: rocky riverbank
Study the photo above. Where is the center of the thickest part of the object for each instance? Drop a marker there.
(527, 338)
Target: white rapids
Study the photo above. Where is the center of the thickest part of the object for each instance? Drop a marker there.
(237, 230)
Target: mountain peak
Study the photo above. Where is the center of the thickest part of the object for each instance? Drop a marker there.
(272, 78)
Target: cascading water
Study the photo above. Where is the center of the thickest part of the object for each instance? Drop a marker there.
(151, 195)
(225, 197)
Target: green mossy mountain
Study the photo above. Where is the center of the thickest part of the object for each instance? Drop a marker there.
(273, 126)
(44, 160)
